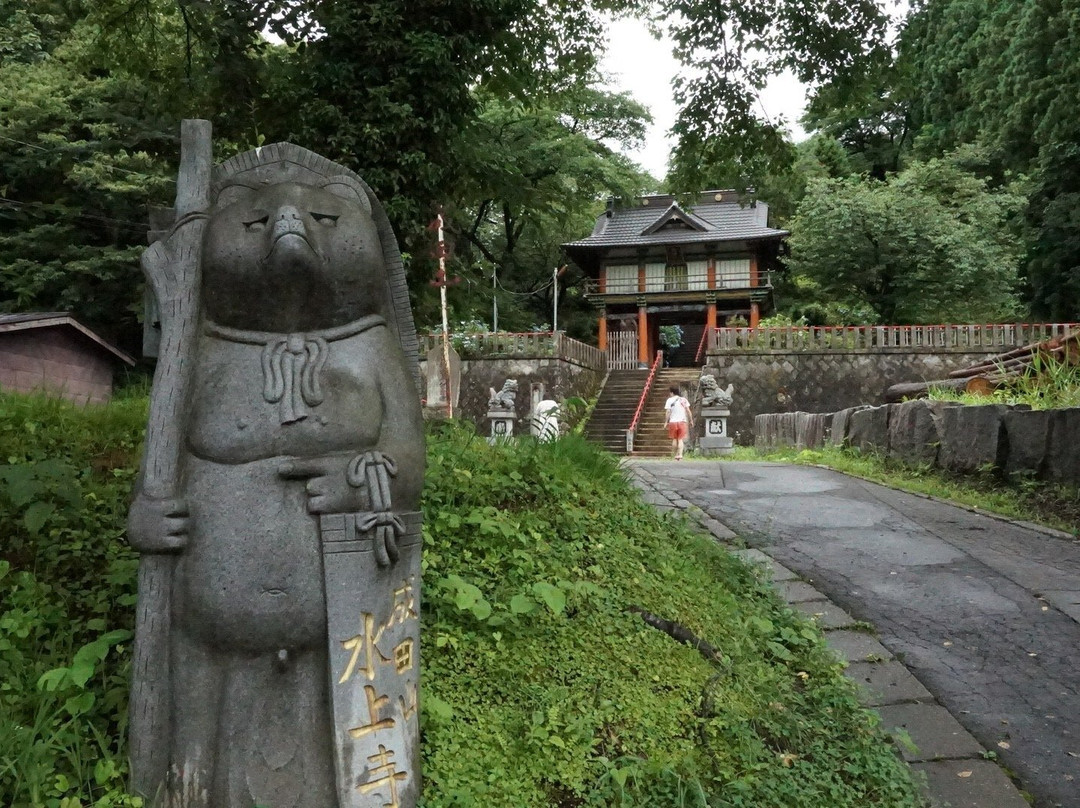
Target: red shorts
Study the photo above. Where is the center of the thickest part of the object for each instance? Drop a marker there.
(678, 430)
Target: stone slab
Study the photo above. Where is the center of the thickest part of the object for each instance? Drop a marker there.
(841, 420)
(752, 556)
(868, 430)
(721, 531)
(915, 431)
(775, 570)
(886, 683)
(856, 646)
(797, 591)
(1062, 456)
(826, 614)
(780, 572)
(1026, 432)
(969, 784)
(936, 733)
(1067, 601)
(972, 437)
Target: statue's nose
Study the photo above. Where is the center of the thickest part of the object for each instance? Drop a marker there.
(288, 220)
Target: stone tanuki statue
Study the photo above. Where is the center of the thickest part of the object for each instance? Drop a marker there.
(712, 395)
(277, 637)
(503, 399)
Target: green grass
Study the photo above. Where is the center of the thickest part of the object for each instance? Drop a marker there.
(1021, 497)
(541, 686)
(1050, 384)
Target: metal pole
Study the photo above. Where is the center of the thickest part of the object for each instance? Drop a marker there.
(555, 301)
(445, 323)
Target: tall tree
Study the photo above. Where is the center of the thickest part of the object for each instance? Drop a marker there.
(535, 175)
(730, 48)
(931, 244)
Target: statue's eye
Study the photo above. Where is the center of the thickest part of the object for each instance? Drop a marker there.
(325, 219)
(256, 225)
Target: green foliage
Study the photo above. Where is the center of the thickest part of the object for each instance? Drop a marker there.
(998, 75)
(931, 244)
(67, 596)
(534, 553)
(534, 174)
(731, 50)
(540, 687)
(1049, 384)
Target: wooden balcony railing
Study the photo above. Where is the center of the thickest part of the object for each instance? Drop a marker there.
(669, 284)
(524, 345)
(993, 336)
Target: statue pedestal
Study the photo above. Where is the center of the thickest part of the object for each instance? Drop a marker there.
(502, 425)
(716, 440)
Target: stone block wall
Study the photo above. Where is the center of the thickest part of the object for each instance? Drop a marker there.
(57, 361)
(956, 437)
(561, 379)
(808, 381)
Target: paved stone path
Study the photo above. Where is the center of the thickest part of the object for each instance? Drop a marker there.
(984, 612)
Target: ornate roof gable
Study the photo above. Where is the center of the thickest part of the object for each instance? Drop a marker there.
(675, 218)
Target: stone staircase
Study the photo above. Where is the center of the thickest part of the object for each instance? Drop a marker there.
(618, 400)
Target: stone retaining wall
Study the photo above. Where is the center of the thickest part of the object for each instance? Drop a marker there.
(955, 437)
(778, 381)
(561, 379)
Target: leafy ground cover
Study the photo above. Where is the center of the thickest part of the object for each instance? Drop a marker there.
(543, 684)
(1017, 497)
(1050, 384)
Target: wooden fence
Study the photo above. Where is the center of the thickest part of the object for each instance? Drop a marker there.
(994, 337)
(525, 345)
(622, 349)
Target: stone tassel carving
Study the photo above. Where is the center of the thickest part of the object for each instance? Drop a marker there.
(291, 368)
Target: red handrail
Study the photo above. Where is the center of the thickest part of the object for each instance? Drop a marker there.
(645, 392)
(701, 345)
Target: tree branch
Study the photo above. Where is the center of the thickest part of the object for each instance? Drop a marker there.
(678, 633)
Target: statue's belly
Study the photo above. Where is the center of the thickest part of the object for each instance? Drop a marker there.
(251, 576)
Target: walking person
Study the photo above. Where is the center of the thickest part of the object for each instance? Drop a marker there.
(678, 419)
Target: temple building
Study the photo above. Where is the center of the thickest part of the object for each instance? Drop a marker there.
(654, 263)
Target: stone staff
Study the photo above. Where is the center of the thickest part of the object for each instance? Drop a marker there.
(171, 267)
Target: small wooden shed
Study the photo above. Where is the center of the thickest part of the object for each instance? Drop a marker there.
(53, 352)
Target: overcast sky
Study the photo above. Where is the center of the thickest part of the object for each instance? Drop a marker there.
(644, 66)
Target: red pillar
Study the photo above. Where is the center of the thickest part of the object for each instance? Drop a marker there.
(642, 336)
(601, 332)
(755, 315)
(710, 317)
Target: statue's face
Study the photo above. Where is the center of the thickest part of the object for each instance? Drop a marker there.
(291, 257)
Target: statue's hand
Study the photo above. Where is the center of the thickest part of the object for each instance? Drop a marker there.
(328, 488)
(157, 525)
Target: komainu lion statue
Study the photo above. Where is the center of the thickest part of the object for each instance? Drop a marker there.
(712, 395)
(503, 399)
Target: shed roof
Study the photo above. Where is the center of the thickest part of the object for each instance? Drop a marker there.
(717, 216)
(49, 319)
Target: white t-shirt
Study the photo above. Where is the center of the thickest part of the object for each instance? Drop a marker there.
(677, 407)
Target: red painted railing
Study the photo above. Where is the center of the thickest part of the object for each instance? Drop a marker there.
(994, 336)
(657, 362)
(701, 347)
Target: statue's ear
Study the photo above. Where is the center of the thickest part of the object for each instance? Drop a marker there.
(348, 188)
(233, 193)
